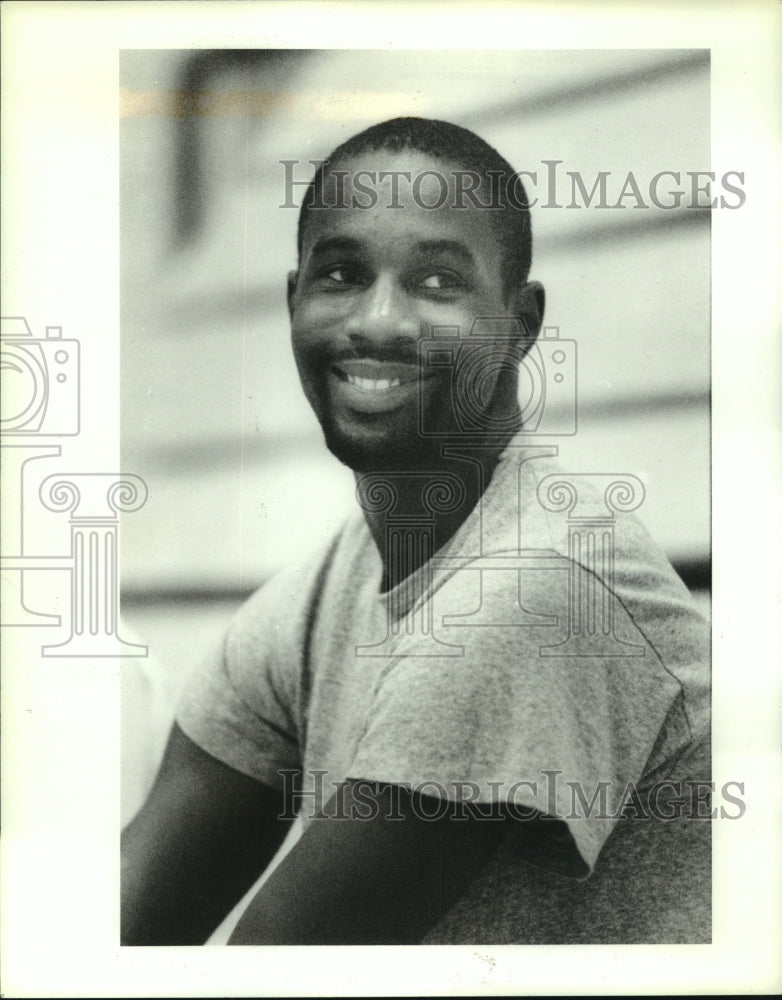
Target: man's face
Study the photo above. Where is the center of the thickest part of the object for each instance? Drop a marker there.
(372, 283)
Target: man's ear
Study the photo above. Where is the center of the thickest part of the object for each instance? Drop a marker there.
(293, 277)
(529, 305)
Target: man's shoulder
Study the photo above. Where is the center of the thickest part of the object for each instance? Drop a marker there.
(591, 518)
(584, 561)
(292, 592)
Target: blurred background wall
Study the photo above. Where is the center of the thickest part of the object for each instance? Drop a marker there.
(212, 414)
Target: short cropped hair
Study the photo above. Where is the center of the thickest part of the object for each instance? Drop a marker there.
(466, 150)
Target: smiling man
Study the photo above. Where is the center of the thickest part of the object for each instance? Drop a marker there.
(486, 733)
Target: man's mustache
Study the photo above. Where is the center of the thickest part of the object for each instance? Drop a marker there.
(402, 352)
(395, 352)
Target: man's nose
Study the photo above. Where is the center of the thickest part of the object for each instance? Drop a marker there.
(384, 312)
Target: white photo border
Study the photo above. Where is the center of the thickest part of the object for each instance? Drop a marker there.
(60, 266)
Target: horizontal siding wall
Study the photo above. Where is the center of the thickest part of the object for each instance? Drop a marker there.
(213, 416)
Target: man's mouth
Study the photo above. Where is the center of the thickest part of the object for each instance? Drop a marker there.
(365, 384)
(369, 375)
(373, 385)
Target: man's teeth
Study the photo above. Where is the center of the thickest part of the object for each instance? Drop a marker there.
(373, 384)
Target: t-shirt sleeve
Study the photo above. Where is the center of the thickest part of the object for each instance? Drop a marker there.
(554, 737)
(242, 704)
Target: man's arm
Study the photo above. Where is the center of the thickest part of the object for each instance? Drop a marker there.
(203, 837)
(371, 881)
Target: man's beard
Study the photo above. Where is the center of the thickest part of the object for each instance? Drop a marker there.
(411, 451)
(415, 452)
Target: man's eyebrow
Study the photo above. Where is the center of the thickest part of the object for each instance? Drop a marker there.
(347, 244)
(454, 247)
(340, 244)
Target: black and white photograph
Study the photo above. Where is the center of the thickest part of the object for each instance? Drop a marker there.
(489, 681)
(398, 501)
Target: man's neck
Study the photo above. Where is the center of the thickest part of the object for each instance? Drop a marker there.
(412, 513)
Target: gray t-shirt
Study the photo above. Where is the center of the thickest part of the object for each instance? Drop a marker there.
(547, 656)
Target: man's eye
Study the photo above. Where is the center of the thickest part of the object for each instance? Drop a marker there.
(440, 280)
(344, 274)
